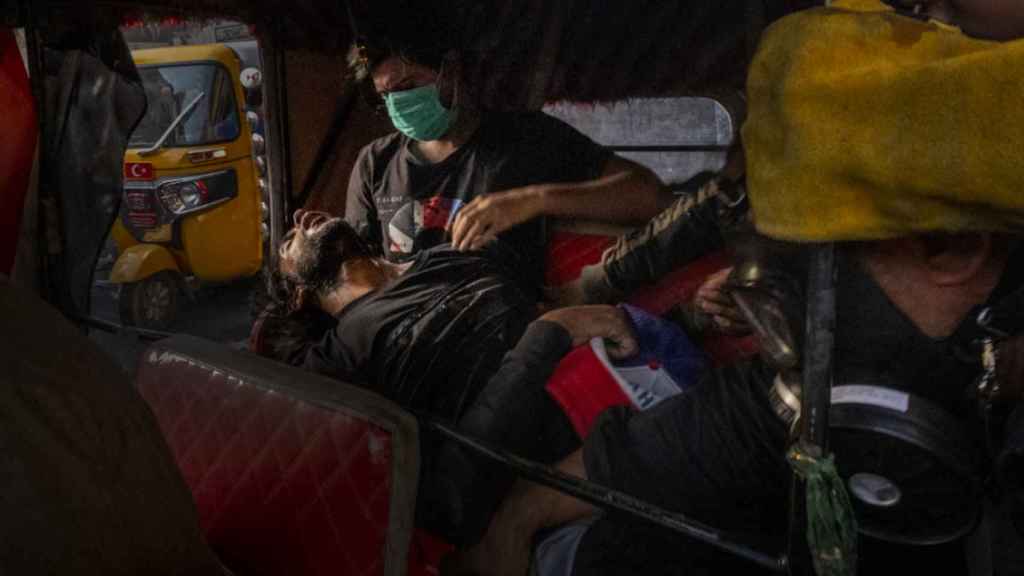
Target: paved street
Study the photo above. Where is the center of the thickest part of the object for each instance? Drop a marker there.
(218, 313)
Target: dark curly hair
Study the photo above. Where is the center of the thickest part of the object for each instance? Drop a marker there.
(417, 32)
(280, 330)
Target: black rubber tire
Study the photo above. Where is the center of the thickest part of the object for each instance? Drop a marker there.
(151, 303)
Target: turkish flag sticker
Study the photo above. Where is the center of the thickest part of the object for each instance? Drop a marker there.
(138, 171)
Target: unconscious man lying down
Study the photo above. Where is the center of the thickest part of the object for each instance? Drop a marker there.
(395, 326)
(429, 334)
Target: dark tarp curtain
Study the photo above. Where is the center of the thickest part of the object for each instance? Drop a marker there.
(94, 98)
(521, 53)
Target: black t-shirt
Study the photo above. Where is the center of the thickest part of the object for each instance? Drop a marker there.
(400, 202)
(431, 338)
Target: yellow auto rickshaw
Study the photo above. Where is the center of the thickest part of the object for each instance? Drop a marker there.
(193, 185)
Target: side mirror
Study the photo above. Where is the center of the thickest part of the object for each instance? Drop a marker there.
(252, 81)
(252, 78)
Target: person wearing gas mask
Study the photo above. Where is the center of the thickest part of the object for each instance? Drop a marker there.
(880, 132)
(453, 172)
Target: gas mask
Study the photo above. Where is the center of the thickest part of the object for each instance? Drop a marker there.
(914, 424)
(767, 285)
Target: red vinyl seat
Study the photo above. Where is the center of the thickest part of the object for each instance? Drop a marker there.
(568, 253)
(17, 147)
(291, 472)
(294, 473)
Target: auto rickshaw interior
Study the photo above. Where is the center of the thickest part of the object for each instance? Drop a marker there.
(171, 267)
(176, 140)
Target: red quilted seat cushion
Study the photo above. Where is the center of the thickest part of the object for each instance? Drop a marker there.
(568, 252)
(292, 473)
(681, 286)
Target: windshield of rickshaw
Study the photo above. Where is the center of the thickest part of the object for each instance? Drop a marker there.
(169, 91)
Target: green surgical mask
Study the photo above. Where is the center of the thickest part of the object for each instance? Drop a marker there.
(418, 113)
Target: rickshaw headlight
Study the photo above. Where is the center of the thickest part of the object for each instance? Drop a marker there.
(190, 195)
(183, 197)
(171, 200)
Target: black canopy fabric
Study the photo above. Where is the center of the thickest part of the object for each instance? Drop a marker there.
(94, 98)
(521, 53)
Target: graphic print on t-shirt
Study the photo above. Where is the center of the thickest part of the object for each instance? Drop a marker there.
(421, 223)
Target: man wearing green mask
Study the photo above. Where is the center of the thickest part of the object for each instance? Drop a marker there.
(453, 172)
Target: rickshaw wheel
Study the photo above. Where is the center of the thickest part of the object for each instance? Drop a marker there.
(152, 302)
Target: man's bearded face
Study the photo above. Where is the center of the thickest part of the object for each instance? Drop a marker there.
(314, 250)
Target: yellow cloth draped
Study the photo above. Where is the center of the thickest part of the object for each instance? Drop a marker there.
(865, 124)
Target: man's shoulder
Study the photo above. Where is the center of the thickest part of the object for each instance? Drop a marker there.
(382, 149)
(525, 121)
(491, 260)
(540, 135)
(440, 265)
(443, 253)
(370, 166)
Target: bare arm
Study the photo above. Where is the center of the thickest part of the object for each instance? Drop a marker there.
(625, 192)
(556, 507)
(505, 548)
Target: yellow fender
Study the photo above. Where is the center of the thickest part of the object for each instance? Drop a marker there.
(141, 261)
(122, 237)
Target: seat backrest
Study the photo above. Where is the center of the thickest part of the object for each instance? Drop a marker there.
(292, 472)
(17, 147)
